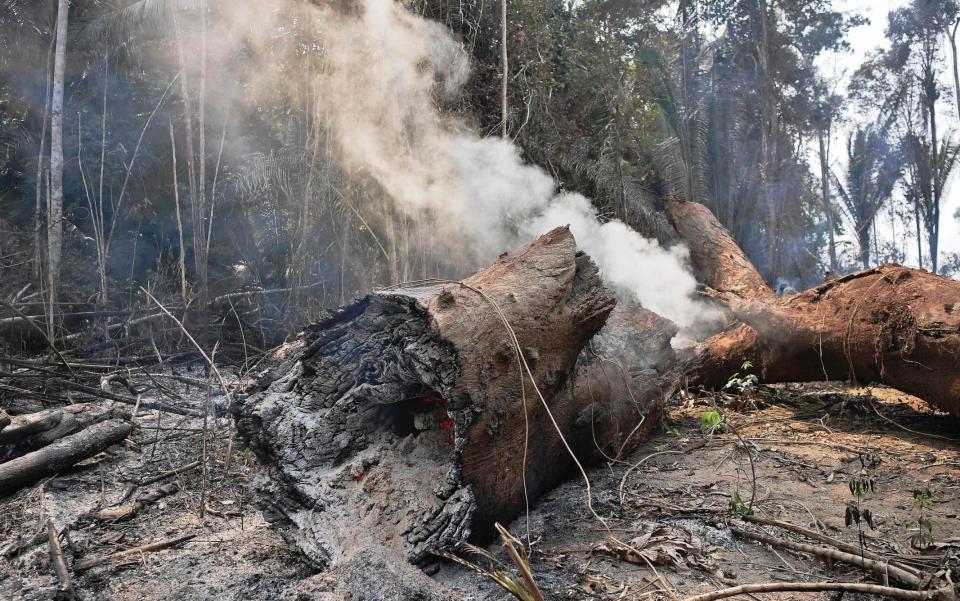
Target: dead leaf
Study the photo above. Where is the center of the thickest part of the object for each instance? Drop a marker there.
(661, 545)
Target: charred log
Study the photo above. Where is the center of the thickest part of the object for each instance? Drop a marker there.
(32, 431)
(61, 454)
(405, 422)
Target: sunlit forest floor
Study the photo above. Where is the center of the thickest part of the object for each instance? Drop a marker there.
(674, 499)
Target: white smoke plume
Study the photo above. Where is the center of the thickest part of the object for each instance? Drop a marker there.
(387, 67)
(385, 71)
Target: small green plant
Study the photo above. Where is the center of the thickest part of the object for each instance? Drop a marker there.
(856, 513)
(921, 529)
(711, 422)
(738, 508)
(743, 380)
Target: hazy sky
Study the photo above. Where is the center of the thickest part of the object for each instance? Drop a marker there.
(865, 39)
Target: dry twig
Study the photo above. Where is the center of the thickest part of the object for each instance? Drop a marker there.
(158, 546)
(852, 587)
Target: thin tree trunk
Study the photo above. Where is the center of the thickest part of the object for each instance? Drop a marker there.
(196, 209)
(952, 36)
(201, 125)
(55, 210)
(930, 93)
(98, 216)
(505, 67)
(38, 245)
(864, 239)
(916, 215)
(827, 206)
(182, 262)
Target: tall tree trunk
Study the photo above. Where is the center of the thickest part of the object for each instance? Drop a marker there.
(505, 67)
(952, 36)
(202, 155)
(196, 202)
(863, 237)
(181, 258)
(827, 205)
(916, 215)
(768, 144)
(930, 97)
(55, 210)
(98, 216)
(38, 242)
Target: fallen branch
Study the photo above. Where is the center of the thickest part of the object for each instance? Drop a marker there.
(852, 587)
(829, 540)
(46, 338)
(216, 372)
(23, 426)
(170, 474)
(129, 510)
(64, 453)
(882, 568)
(158, 546)
(100, 393)
(58, 561)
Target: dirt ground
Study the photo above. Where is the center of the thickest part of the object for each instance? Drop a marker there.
(788, 451)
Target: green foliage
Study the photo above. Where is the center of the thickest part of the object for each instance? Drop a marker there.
(712, 422)
(921, 528)
(743, 380)
(860, 486)
(738, 508)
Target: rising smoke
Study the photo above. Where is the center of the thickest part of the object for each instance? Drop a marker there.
(386, 71)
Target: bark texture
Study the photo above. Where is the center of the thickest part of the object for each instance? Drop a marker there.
(890, 324)
(59, 455)
(399, 416)
(35, 430)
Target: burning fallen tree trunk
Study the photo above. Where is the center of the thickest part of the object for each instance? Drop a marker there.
(890, 324)
(421, 414)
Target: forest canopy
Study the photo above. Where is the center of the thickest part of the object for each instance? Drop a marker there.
(190, 149)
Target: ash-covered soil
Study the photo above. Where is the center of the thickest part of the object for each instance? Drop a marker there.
(806, 443)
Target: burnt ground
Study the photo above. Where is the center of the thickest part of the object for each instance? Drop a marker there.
(805, 441)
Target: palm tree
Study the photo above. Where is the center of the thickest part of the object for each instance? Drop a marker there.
(929, 172)
(873, 169)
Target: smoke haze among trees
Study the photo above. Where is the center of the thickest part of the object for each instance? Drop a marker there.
(196, 147)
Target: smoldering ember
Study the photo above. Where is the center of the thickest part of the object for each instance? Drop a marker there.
(428, 300)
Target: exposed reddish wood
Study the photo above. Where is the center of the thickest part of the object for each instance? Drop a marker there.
(718, 259)
(892, 325)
